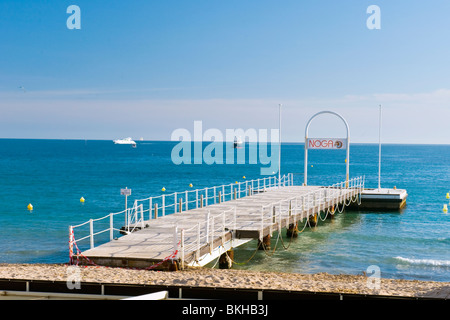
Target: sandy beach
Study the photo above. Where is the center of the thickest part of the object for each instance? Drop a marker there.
(321, 282)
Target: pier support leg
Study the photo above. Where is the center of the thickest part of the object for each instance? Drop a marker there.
(313, 220)
(225, 260)
(265, 243)
(292, 230)
(173, 265)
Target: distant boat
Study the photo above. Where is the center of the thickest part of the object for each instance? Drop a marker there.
(125, 141)
(237, 142)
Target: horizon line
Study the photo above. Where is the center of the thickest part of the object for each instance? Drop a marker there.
(177, 141)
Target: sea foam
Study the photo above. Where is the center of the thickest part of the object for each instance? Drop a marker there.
(425, 262)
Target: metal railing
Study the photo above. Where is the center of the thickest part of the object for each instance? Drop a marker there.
(272, 215)
(134, 217)
(176, 202)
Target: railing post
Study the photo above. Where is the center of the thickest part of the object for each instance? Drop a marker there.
(223, 193)
(198, 241)
(91, 230)
(235, 219)
(187, 201)
(261, 234)
(182, 249)
(223, 228)
(111, 227)
(208, 214)
(156, 211)
(181, 205)
(196, 198)
(220, 197)
(150, 206)
(206, 197)
(215, 194)
(71, 240)
(175, 203)
(201, 201)
(212, 235)
(163, 205)
(175, 241)
(142, 216)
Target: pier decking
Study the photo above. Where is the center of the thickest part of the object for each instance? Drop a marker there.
(199, 235)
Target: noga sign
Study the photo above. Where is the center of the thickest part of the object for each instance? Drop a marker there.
(326, 143)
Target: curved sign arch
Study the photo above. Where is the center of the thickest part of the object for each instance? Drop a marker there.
(327, 143)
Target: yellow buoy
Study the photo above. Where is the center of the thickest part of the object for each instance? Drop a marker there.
(190, 185)
(448, 195)
(312, 166)
(395, 188)
(163, 189)
(243, 177)
(236, 182)
(445, 209)
(82, 200)
(30, 207)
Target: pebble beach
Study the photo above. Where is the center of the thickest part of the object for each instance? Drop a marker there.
(204, 277)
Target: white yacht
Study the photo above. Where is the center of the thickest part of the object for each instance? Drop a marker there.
(237, 142)
(125, 141)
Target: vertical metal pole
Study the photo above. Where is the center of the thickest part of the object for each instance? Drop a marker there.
(212, 235)
(305, 173)
(379, 153)
(126, 211)
(196, 198)
(91, 231)
(175, 240)
(261, 234)
(182, 249)
(198, 240)
(208, 215)
(187, 201)
(175, 202)
(142, 216)
(150, 206)
(163, 205)
(279, 151)
(111, 227)
(235, 219)
(71, 240)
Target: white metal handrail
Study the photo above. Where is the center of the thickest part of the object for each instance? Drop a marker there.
(157, 206)
(134, 216)
(204, 233)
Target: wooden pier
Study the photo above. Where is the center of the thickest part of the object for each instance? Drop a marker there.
(202, 234)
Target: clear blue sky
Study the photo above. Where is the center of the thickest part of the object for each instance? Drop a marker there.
(145, 68)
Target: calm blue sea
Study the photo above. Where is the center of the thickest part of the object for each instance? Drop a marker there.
(54, 174)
